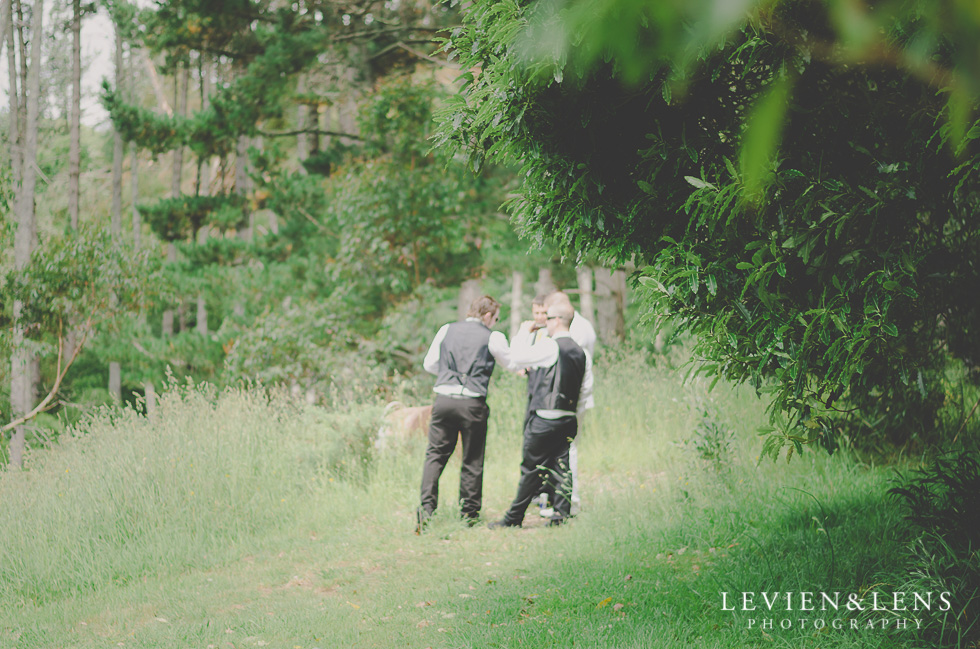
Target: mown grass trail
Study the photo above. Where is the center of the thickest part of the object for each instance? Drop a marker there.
(235, 520)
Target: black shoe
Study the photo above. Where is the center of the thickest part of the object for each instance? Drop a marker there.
(421, 520)
(470, 521)
(557, 521)
(496, 525)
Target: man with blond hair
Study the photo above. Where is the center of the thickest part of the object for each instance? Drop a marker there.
(582, 332)
(462, 356)
(560, 378)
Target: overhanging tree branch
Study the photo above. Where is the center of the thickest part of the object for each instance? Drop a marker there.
(60, 373)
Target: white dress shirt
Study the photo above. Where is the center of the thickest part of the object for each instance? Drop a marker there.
(582, 332)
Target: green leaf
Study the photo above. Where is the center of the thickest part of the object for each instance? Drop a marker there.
(697, 182)
(763, 130)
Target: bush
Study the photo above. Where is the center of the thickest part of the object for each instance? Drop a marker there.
(943, 502)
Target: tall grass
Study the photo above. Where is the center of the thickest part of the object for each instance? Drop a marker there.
(677, 508)
(122, 496)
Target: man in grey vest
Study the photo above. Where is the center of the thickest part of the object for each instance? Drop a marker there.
(560, 377)
(462, 356)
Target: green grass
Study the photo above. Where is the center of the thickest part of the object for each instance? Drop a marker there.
(239, 520)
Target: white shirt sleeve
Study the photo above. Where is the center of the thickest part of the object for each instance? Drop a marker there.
(500, 350)
(585, 401)
(431, 361)
(524, 354)
(582, 332)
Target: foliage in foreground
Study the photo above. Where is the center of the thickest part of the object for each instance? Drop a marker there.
(942, 501)
(811, 219)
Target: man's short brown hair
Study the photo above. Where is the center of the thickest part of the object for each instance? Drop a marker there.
(483, 305)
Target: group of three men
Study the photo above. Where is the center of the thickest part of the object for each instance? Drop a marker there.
(558, 365)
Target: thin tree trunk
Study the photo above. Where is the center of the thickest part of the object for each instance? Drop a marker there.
(115, 226)
(203, 187)
(167, 327)
(14, 91)
(115, 382)
(180, 98)
(302, 141)
(156, 83)
(545, 283)
(468, 291)
(241, 184)
(3, 24)
(25, 237)
(134, 163)
(75, 146)
(313, 124)
(204, 181)
(201, 323)
(118, 148)
(517, 306)
(611, 303)
(150, 399)
(134, 160)
(586, 304)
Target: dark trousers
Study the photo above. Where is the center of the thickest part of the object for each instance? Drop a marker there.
(467, 418)
(545, 460)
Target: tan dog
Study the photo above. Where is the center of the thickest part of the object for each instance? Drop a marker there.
(401, 423)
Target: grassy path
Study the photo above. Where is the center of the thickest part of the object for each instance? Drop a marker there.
(280, 554)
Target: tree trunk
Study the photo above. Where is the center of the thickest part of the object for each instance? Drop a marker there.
(586, 304)
(469, 291)
(75, 146)
(241, 185)
(205, 164)
(157, 85)
(302, 141)
(545, 283)
(25, 236)
(611, 303)
(134, 160)
(3, 24)
(313, 124)
(14, 89)
(517, 306)
(115, 223)
(180, 99)
(118, 148)
(134, 164)
(115, 382)
(204, 187)
(167, 328)
(183, 323)
(201, 325)
(150, 399)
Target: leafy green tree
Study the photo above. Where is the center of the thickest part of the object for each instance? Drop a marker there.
(83, 280)
(403, 215)
(797, 184)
